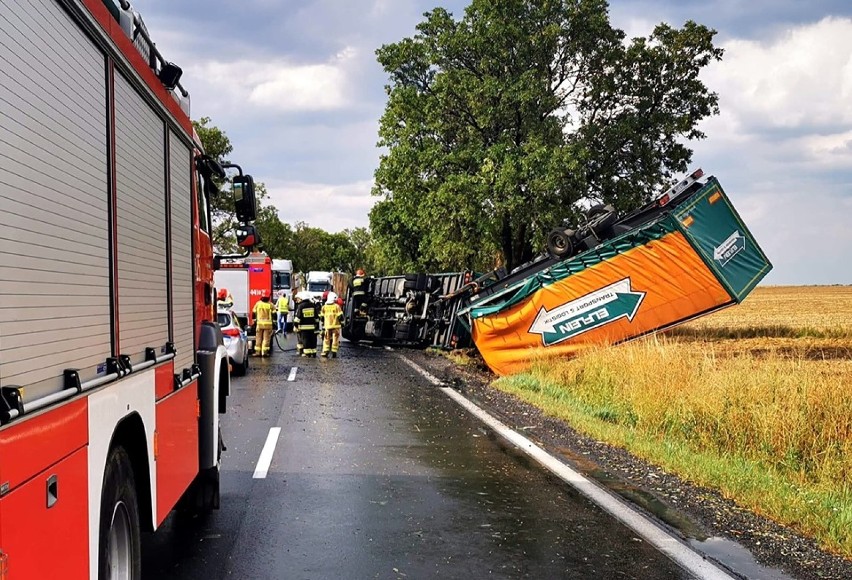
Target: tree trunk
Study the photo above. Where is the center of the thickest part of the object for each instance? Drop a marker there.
(506, 243)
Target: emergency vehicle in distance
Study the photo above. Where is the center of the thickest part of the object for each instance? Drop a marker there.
(247, 278)
(112, 368)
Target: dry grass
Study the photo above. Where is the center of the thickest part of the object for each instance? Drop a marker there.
(756, 398)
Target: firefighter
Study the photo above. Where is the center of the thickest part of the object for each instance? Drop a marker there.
(305, 320)
(297, 299)
(283, 309)
(332, 316)
(358, 289)
(263, 335)
(224, 299)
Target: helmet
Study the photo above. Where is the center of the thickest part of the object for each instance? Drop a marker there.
(359, 272)
(264, 296)
(331, 299)
(302, 295)
(222, 295)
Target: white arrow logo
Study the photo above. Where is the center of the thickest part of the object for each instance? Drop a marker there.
(729, 248)
(547, 321)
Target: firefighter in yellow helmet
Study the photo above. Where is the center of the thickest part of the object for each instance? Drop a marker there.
(263, 336)
(332, 316)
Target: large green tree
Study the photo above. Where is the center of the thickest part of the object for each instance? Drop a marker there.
(498, 124)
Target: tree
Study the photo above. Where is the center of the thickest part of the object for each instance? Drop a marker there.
(498, 124)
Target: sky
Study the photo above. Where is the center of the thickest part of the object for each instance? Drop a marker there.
(296, 87)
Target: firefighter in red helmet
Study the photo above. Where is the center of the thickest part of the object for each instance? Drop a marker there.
(224, 299)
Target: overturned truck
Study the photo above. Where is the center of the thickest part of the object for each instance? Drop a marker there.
(614, 278)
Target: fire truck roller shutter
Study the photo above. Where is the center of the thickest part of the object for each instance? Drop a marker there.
(54, 243)
(141, 208)
(180, 175)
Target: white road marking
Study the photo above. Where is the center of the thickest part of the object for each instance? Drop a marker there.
(265, 459)
(682, 554)
(292, 376)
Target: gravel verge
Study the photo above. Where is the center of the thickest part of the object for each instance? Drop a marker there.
(690, 510)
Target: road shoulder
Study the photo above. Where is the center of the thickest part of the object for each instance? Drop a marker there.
(695, 512)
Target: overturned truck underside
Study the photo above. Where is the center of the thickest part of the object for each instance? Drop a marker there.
(685, 254)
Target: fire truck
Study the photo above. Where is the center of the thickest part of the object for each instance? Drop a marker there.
(112, 368)
(246, 278)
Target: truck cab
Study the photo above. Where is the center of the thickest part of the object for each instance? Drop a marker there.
(316, 283)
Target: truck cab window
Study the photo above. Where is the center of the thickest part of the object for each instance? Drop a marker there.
(281, 281)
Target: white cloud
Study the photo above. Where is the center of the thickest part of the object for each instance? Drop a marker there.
(800, 79)
(279, 86)
(330, 207)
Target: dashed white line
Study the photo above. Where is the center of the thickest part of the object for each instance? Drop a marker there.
(265, 459)
(685, 556)
(292, 376)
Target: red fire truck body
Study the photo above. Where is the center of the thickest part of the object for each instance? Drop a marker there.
(246, 279)
(112, 369)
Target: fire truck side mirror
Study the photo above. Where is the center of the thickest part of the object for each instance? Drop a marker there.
(245, 205)
(247, 236)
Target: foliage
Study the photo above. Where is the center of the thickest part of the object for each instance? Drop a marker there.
(496, 125)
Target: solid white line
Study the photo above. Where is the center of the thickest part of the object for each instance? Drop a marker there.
(292, 376)
(265, 459)
(688, 558)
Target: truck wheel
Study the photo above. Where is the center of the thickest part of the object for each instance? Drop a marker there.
(559, 243)
(596, 210)
(119, 549)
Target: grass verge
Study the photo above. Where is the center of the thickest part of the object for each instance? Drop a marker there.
(772, 432)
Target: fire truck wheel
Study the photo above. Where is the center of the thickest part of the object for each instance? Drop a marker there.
(119, 551)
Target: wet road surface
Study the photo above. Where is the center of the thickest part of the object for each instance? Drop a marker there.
(377, 474)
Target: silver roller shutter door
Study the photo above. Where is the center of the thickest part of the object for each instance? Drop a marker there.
(54, 243)
(143, 319)
(183, 321)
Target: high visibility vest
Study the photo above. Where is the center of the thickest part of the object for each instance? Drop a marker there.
(282, 305)
(306, 316)
(263, 314)
(331, 315)
(358, 286)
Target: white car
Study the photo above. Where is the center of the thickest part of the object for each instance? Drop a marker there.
(236, 341)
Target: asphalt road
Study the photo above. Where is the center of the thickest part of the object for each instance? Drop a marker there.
(378, 474)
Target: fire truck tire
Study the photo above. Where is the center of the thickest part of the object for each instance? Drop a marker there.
(119, 549)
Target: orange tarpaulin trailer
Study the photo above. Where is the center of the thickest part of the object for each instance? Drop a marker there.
(687, 262)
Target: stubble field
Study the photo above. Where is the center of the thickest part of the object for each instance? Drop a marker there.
(754, 400)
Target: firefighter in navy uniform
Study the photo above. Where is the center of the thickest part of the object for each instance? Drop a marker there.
(305, 322)
(358, 287)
